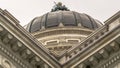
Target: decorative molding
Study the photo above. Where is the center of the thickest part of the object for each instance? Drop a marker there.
(100, 34)
(19, 49)
(12, 57)
(104, 58)
(28, 41)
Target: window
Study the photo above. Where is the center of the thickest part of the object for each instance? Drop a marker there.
(52, 42)
(73, 40)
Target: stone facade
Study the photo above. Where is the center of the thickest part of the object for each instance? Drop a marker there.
(61, 47)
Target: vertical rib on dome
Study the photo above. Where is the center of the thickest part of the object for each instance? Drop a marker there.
(67, 18)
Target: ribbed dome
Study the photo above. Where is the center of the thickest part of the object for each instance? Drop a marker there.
(66, 18)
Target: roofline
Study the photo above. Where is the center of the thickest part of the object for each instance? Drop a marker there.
(113, 18)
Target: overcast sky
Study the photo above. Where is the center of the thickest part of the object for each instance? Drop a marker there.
(26, 10)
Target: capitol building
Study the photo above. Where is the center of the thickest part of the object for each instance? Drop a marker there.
(61, 38)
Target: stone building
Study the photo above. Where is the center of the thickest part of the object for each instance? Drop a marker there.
(60, 39)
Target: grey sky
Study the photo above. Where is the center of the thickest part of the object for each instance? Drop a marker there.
(26, 10)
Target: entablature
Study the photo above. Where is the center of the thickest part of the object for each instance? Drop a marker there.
(27, 51)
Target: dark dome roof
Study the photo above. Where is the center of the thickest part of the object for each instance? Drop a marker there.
(67, 18)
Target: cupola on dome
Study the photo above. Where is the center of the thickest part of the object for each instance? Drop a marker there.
(60, 14)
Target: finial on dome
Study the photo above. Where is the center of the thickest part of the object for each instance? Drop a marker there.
(58, 7)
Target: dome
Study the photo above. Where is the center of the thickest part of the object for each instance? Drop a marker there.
(61, 29)
(66, 18)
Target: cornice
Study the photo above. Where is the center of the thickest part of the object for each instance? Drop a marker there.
(113, 18)
(89, 42)
(28, 41)
(111, 61)
(4, 47)
(33, 48)
(61, 30)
